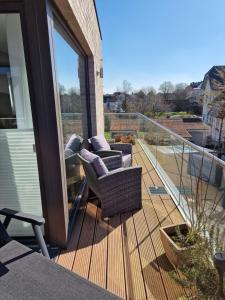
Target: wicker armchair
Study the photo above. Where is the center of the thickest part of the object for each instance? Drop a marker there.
(119, 190)
(124, 150)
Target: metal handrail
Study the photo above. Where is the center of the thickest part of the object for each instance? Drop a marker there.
(198, 148)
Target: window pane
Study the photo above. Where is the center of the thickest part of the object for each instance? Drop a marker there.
(19, 180)
(70, 72)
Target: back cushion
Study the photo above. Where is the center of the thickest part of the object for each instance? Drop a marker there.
(97, 163)
(74, 143)
(99, 143)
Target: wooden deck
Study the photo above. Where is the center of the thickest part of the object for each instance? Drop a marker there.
(125, 254)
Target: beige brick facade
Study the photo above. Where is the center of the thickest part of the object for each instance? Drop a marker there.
(82, 19)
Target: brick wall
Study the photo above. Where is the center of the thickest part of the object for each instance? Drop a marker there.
(82, 19)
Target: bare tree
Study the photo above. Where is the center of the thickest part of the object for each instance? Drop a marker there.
(181, 86)
(62, 89)
(127, 87)
(149, 90)
(166, 88)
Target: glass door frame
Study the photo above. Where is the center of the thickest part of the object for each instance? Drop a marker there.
(17, 7)
(70, 38)
(37, 25)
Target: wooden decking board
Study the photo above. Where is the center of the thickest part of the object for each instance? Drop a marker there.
(173, 290)
(66, 257)
(84, 249)
(115, 268)
(136, 289)
(125, 253)
(151, 273)
(98, 265)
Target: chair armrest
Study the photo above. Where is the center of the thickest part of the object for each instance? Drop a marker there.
(113, 162)
(106, 153)
(125, 147)
(25, 217)
(72, 160)
(120, 177)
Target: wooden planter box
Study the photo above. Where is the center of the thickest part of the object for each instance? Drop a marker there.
(174, 253)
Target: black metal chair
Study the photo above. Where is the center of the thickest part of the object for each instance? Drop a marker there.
(35, 221)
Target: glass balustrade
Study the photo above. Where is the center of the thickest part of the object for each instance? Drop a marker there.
(193, 176)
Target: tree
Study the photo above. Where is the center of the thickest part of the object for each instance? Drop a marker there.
(127, 87)
(166, 88)
(62, 89)
(180, 86)
(180, 97)
(149, 90)
(217, 109)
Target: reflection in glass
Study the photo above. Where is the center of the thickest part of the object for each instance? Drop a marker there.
(19, 180)
(70, 72)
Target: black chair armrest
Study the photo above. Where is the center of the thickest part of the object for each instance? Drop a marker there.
(35, 221)
(25, 217)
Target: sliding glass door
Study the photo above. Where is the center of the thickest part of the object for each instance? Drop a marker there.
(19, 179)
(70, 75)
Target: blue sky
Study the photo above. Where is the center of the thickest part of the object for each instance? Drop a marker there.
(150, 41)
(66, 63)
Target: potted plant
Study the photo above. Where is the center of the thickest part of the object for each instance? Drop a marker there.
(199, 273)
(179, 239)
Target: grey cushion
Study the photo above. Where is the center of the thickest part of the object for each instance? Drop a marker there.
(96, 161)
(126, 160)
(99, 143)
(74, 143)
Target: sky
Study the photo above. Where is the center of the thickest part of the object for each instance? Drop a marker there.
(66, 63)
(147, 42)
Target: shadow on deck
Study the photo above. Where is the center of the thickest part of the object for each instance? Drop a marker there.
(124, 254)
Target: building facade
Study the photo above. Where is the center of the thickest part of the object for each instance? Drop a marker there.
(213, 84)
(50, 88)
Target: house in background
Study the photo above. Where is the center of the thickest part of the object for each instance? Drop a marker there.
(212, 85)
(114, 102)
(50, 87)
(192, 129)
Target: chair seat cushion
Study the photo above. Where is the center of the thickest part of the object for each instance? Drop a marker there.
(74, 143)
(99, 143)
(96, 161)
(126, 160)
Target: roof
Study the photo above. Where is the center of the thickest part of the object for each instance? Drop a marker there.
(216, 77)
(183, 128)
(195, 85)
(124, 125)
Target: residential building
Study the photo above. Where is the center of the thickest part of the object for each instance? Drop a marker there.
(42, 43)
(212, 85)
(192, 129)
(114, 102)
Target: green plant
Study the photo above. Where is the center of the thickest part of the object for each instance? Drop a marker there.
(199, 273)
(203, 238)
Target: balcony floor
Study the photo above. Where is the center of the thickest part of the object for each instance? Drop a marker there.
(125, 254)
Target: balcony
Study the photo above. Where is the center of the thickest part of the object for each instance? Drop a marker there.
(124, 254)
